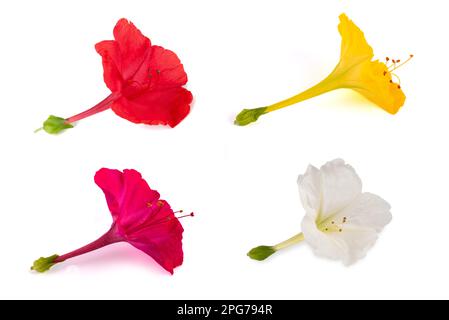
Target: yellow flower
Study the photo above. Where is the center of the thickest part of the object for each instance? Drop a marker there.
(356, 71)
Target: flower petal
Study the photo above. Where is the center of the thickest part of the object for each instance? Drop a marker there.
(144, 221)
(134, 47)
(127, 195)
(166, 69)
(310, 190)
(356, 71)
(364, 218)
(321, 244)
(367, 211)
(111, 182)
(326, 191)
(376, 84)
(354, 47)
(161, 238)
(161, 70)
(348, 246)
(340, 185)
(164, 107)
(148, 78)
(356, 241)
(111, 59)
(123, 57)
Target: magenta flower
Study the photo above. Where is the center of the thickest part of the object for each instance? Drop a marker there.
(139, 218)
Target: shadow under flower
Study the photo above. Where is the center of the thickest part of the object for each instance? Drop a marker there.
(113, 256)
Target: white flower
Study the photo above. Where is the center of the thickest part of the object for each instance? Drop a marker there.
(341, 222)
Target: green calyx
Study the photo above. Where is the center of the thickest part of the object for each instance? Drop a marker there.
(246, 116)
(261, 253)
(44, 264)
(54, 125)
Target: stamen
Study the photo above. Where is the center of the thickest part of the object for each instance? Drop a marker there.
(168, 218)
(397, 77)
(333, 225)
(394, 65)
(400, 65)
(191, 214)
(162, 220)
(159, 203)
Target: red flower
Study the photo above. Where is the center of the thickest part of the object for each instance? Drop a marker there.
(146, 82)
(139, 218)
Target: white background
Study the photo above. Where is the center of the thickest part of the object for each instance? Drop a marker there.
(241, 181)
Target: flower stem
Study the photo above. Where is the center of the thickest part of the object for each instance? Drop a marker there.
(108, 238)
(287, 243)
(99, 107)
(314, 91)
(44, 264)
(247, 116)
